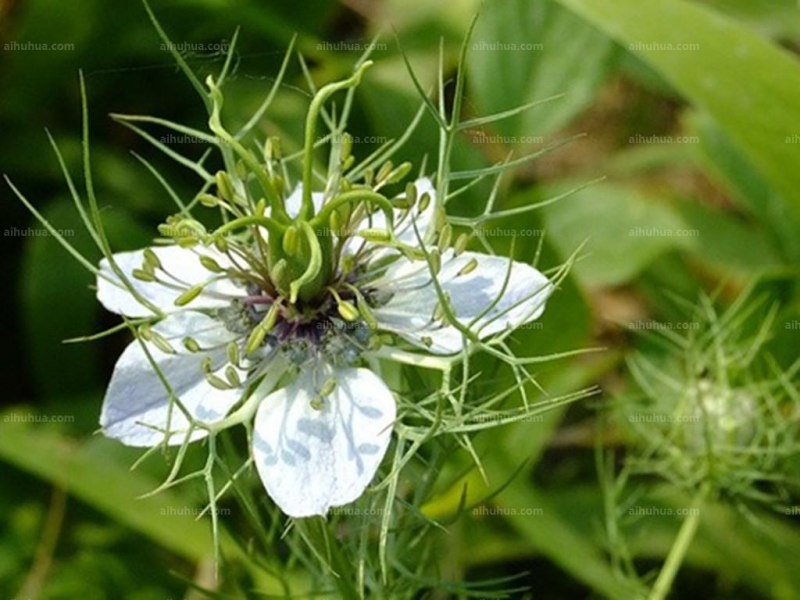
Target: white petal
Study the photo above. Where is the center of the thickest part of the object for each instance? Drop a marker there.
(137, 401)
(295, 201)
(404, 226)
(180, 262)
(410, 310)
(311, 460)
(423, 219)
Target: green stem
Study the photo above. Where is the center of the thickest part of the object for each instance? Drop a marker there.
(307, 210)
(315, 265)
(352, 197)
(679, 549)
(329, 547)
(215, 124)
(272, 226)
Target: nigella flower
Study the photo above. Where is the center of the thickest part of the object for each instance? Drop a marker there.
(279, 316)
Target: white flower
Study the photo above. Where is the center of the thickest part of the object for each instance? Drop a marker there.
(322, 420)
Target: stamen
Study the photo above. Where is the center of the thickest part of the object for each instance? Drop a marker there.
(232, 351)
(210, 264)
(261, 330)
(152, 259)
(143, 275)
(191, 344)
(461, 244)
(162, 344)
(469, 267)
(232, 376)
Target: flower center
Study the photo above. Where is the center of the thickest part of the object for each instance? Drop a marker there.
(304, 332)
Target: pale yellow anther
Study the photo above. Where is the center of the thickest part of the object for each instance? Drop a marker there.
(469, 267)
(189, 295)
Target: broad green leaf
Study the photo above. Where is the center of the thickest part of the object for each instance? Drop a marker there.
(771, 18)
(93, 474)
(747, 84)
(624, 231)
(729, 243)
(524, 51)
(90, 475)
(726, 164)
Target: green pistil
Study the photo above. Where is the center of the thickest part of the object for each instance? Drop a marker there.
(307, 210)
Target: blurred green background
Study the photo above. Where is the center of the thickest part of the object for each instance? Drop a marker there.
(689, 110)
